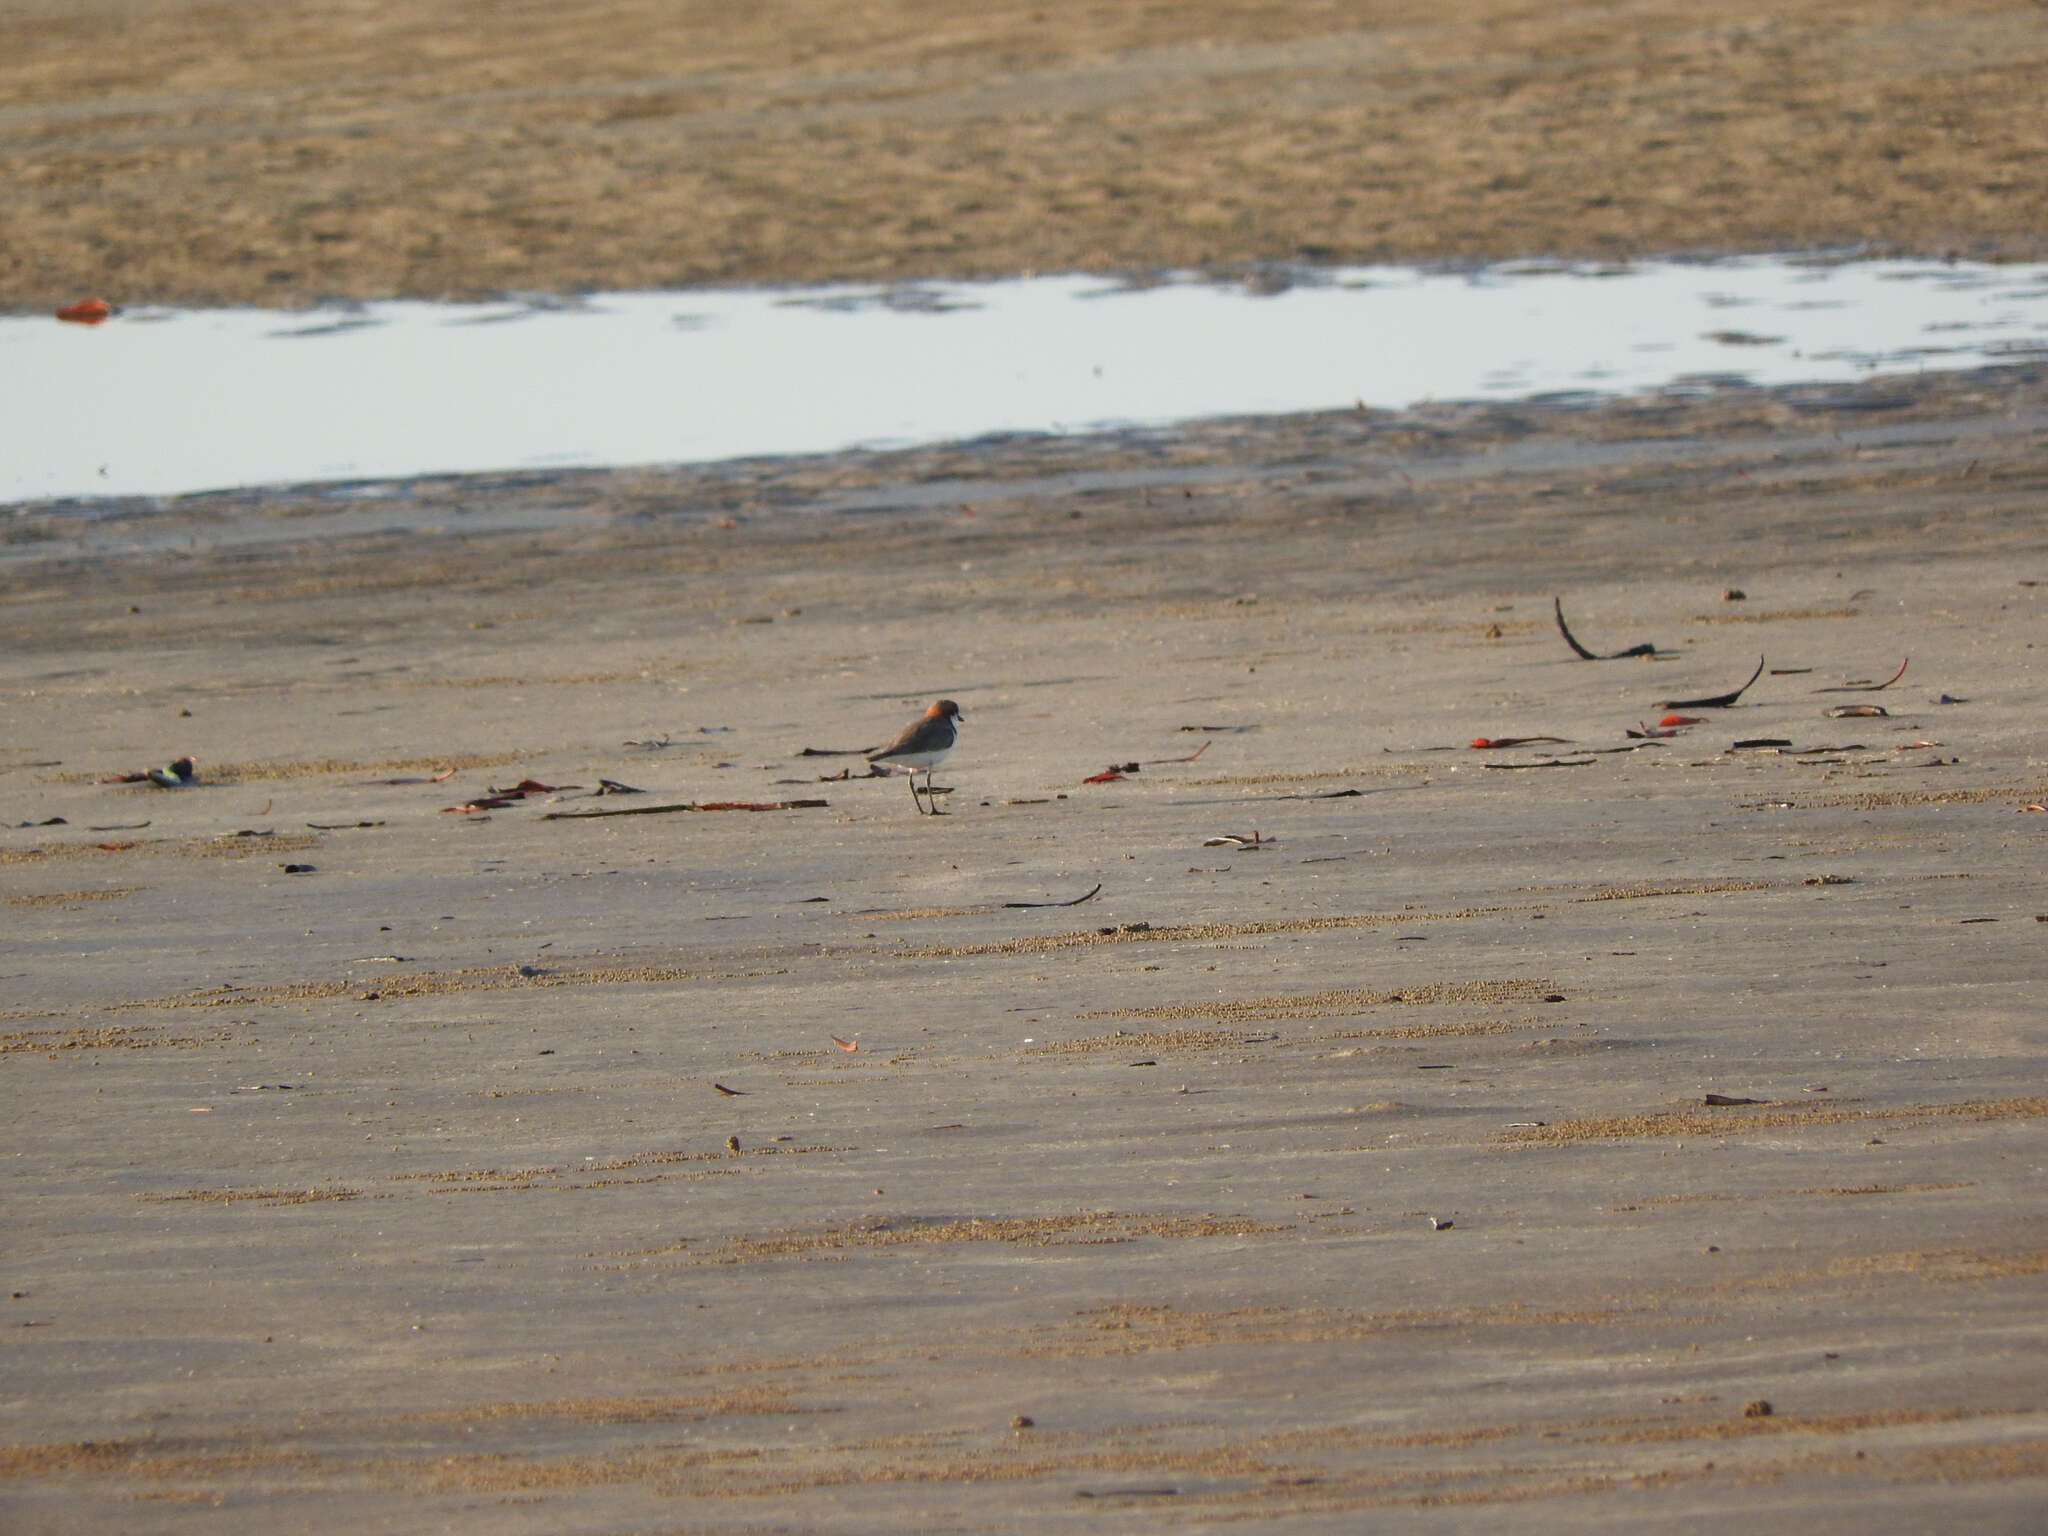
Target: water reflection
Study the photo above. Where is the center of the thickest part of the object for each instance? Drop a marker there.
(163, 402)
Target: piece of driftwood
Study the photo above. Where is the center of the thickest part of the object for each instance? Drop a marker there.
(1719, 700)
(1645, 649)
(1088, 896)
(1870, 687)
(694, 805)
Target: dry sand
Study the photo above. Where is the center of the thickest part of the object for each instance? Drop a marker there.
(271, 151)
(1345, 1162)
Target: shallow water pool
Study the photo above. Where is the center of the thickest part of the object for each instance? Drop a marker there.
(161, 402)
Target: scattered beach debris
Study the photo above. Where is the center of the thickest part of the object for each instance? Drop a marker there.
(297, 869)
(1126, 1493)
(1719, 700)
(527, 787)
(1858, 712)
(499, 799)
(1251, 840)
(693, 805)
(1084, 896)
(731, 1093)
(1490, 743)
(175, 774)
(1116, 771)
(439, 778)
(1322, 794)
(1867, 686)
(614, 787)
(846, 1045)
(1548, 762)
(1578, 650)
(1722, 1098)
(1218, 727)
(341, 826)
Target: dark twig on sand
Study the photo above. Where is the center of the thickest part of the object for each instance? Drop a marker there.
(1719, 700)
(1870, 687)
(1089, 896)
(1645, 649)
(694, 805)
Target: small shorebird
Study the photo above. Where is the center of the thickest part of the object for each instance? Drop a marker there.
(921, 745)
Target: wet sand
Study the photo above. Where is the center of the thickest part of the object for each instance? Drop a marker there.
(1347, 1157)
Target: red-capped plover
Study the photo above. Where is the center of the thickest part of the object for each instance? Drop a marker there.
(921, 746)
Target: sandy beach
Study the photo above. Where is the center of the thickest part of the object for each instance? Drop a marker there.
(1349, 1150)
(1256, 1104)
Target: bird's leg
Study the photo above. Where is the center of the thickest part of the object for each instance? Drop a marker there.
(930, 798)
(913, 792)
